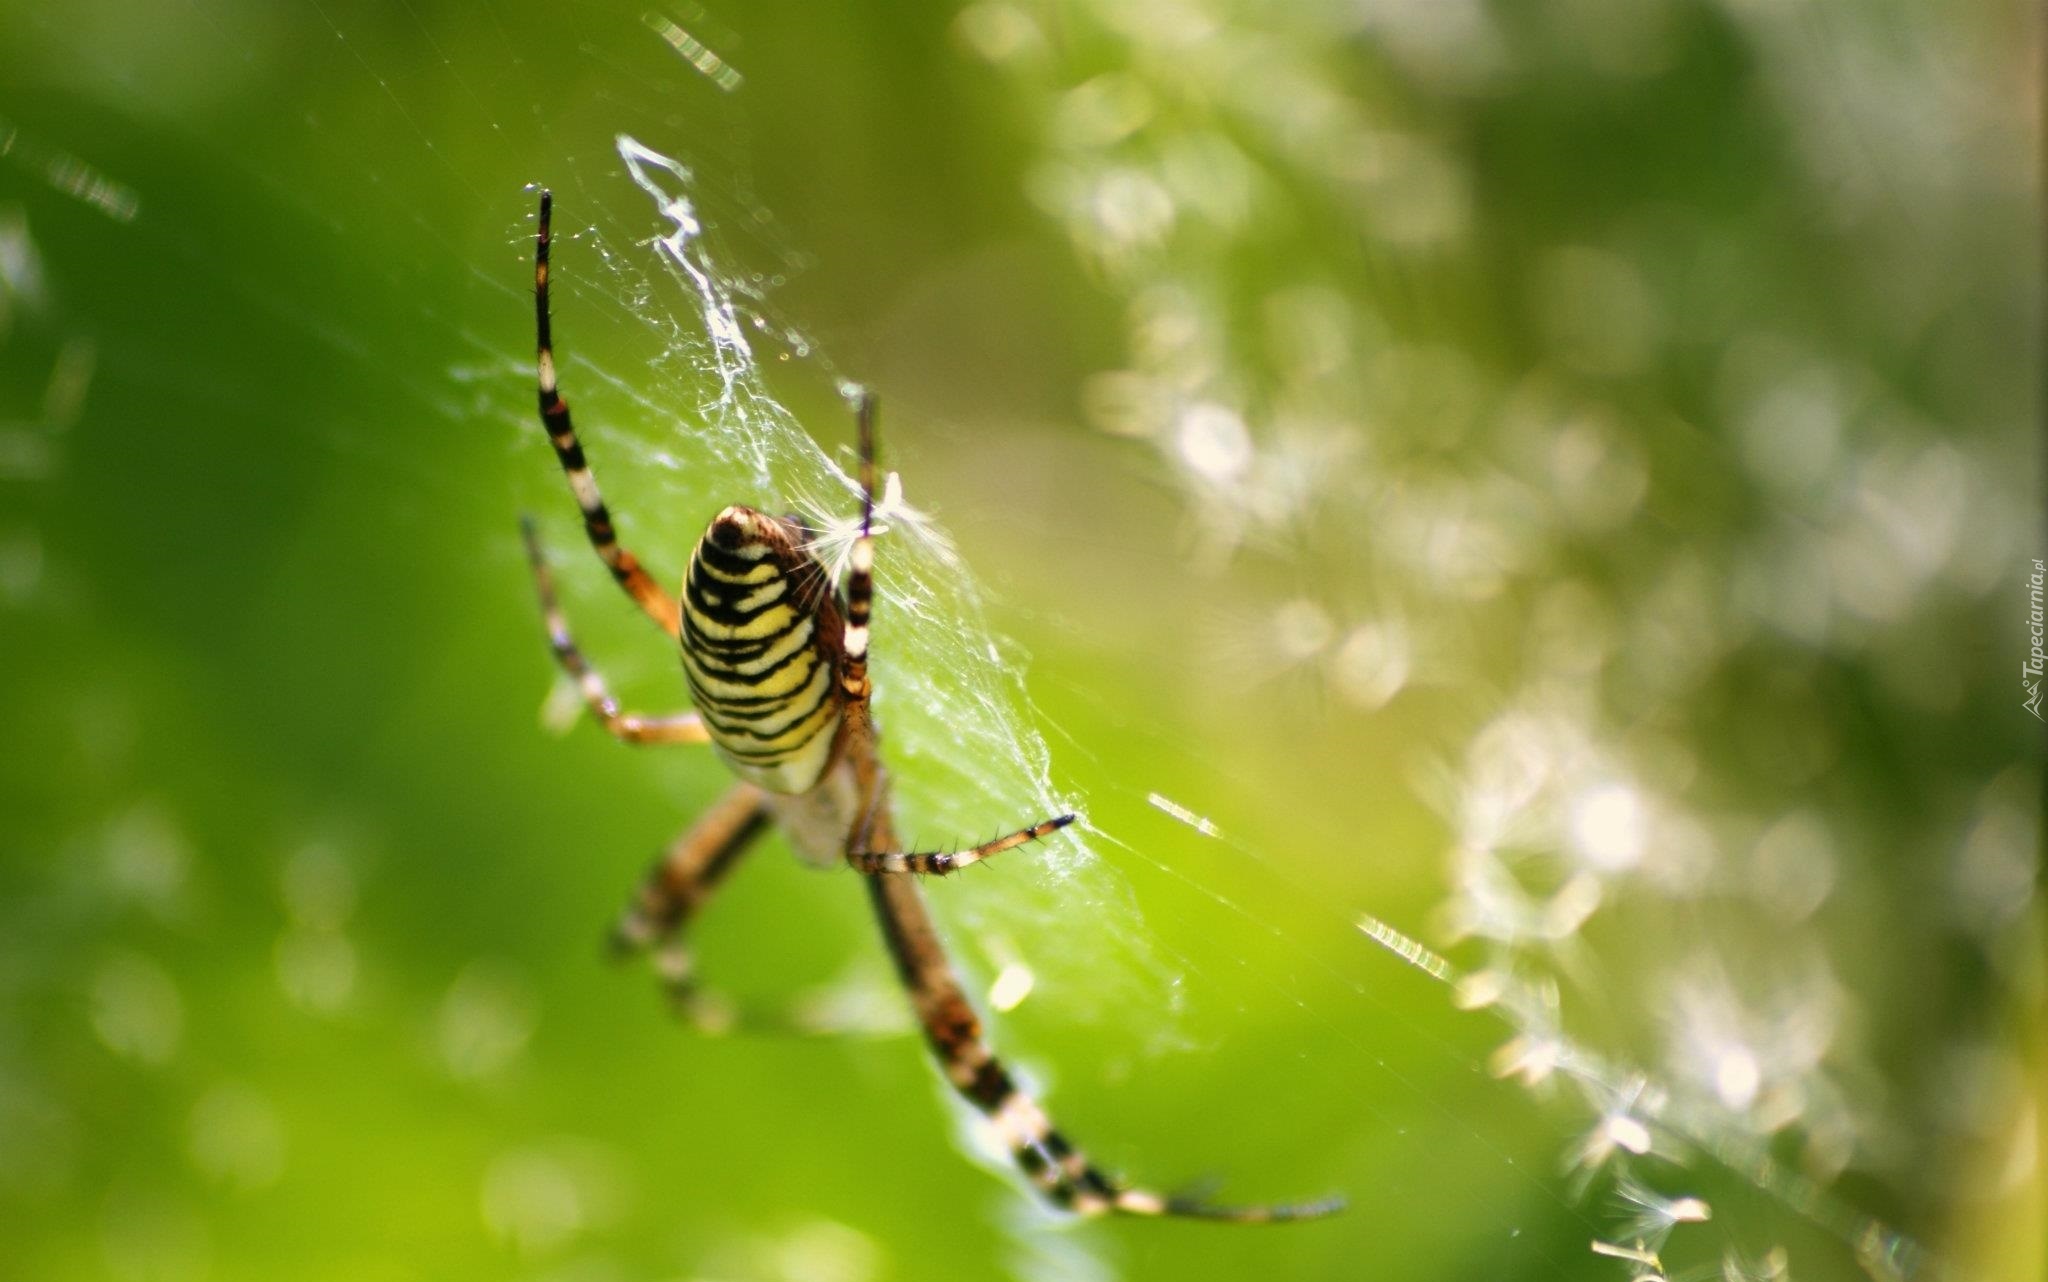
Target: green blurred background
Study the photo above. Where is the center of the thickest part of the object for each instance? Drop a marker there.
(1561, 480)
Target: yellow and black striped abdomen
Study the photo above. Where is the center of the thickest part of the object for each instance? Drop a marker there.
(755, 651)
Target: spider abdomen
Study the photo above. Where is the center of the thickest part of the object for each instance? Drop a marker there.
(759, 639)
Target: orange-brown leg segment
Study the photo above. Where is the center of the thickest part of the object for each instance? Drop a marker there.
(554, 416)
(683, 727)
(1055, 1167)
(680, 883)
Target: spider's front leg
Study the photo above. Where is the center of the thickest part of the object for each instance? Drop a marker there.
(679, 884)
(625, 568)
(939, 863)
(855, 689)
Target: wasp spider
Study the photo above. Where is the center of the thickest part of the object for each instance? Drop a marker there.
(777, 665)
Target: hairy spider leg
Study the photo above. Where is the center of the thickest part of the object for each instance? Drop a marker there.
(679, 883)
(1058, 1170)
(939, 863)
(860, 569)
(554, 416)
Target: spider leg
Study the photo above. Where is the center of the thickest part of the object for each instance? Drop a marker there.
(679, 883)
(554, 416)
(940, 863)
(860, 574)
(683, 727)
(1055, 1167)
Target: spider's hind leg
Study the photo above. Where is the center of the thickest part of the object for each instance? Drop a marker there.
(1058, 1170)
(680, 883)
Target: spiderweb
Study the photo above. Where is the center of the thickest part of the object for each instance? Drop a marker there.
(968, 743)
(949, 696)
(1520, 496)
(1703, 1114)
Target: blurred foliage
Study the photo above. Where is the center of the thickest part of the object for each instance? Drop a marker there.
(1558, 482)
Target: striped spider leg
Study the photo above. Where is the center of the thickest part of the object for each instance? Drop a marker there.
(777, 666)
(685, 875)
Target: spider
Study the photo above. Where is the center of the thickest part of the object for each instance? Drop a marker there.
(777, 665)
